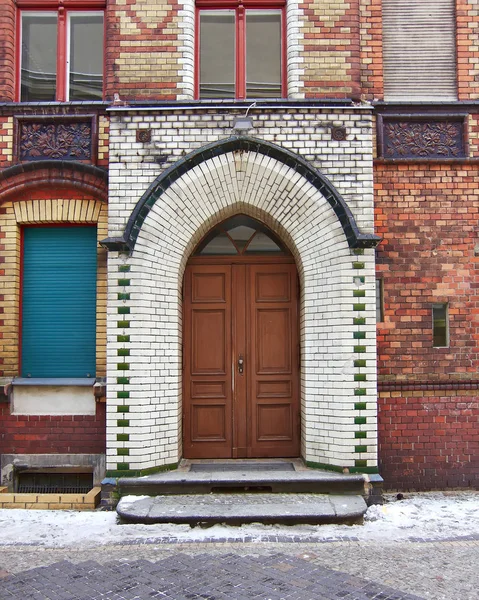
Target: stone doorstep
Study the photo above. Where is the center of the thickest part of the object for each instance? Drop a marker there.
(237, 509)
(51, 501)
(306, 481)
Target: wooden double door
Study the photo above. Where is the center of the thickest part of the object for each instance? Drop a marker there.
(241, 360)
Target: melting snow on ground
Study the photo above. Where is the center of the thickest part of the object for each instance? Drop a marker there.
(425, 516)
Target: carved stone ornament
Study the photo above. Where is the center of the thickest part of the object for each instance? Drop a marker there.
(55, 140)
(423, 138)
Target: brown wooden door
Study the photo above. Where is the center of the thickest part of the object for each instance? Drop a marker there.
(240, 360)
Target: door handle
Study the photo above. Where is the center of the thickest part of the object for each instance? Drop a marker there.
(240, 364)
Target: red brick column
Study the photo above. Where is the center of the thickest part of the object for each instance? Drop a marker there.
(7, 50)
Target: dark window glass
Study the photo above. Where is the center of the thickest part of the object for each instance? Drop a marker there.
(440, 325)
(39, 57)
(263, 54)
(379, 301)
(86, 57)
(217, 54)
(240, 235)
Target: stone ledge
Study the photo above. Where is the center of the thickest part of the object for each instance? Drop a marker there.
(237, 509)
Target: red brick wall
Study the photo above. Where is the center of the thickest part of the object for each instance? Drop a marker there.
(142, 56)
(428, 215)
(7, 50)
(428, 439)
(331, 49)
(467, 49)
(20, 434)
(371, 50)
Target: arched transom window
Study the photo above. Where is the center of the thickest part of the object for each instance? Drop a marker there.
(240, 235)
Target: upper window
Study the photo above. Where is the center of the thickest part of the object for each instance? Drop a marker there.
(240, 49)
(61, 55)
(419, 50)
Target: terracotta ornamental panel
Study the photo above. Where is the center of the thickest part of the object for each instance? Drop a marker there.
(55, 138)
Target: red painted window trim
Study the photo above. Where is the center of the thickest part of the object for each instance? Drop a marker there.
(239, 6)
(62, 8)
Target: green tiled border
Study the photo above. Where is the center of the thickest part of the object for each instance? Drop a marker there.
(123, 352)
(358, 334)
(122, 472)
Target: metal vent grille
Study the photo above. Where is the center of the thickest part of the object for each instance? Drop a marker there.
(54, 483)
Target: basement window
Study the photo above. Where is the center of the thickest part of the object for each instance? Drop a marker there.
(53, 482)
(440, 325)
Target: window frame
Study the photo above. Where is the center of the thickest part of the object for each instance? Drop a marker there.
(240, 7)
(379, 300)
(445, 307)
(62, 9)
(21, 323)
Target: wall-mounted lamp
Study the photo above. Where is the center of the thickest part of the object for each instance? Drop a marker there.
(244, 123)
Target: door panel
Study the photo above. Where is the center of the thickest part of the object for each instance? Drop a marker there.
(208, 358)
(207, 362)
(273, 390)
(240, 361)
(273, 336)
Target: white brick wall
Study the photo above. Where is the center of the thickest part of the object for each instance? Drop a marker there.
(210, 192)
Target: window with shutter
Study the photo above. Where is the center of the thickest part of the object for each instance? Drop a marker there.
(59, 302)
(419, 51)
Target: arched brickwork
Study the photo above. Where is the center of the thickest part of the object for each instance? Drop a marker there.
(41, 193)
(51, 174)
(240, 145)
(146, 282)
(44, 193)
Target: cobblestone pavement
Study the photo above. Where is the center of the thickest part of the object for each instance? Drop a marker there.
(275, 570)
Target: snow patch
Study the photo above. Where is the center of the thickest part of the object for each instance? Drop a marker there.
(426, 516)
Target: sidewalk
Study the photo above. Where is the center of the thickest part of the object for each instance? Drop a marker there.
(426, 546)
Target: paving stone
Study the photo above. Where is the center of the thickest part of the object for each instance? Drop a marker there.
(427, 568)
(230, 576)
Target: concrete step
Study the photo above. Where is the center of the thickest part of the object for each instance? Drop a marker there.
(238, 509)
(243, 480)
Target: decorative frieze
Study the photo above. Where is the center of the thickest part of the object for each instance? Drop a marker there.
(422, 137)
(55, 138)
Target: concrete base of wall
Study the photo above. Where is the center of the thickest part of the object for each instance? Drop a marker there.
(11, 464)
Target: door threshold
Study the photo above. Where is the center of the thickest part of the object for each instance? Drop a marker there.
(199, 464)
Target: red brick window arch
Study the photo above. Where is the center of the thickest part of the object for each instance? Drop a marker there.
(240, 49)
(60, 48)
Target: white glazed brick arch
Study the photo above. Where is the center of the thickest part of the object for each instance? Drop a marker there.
(260, 186)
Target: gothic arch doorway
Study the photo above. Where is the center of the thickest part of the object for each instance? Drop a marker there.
(241, 345)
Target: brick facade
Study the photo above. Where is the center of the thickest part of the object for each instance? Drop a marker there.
(428, 437)
(145, 50)
(153, 273)
(371, 397)
(7, 50)
(66, 434)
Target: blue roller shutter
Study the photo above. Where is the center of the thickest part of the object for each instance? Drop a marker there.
(59, 302)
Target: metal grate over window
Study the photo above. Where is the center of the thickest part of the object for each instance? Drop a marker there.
(54, 483)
